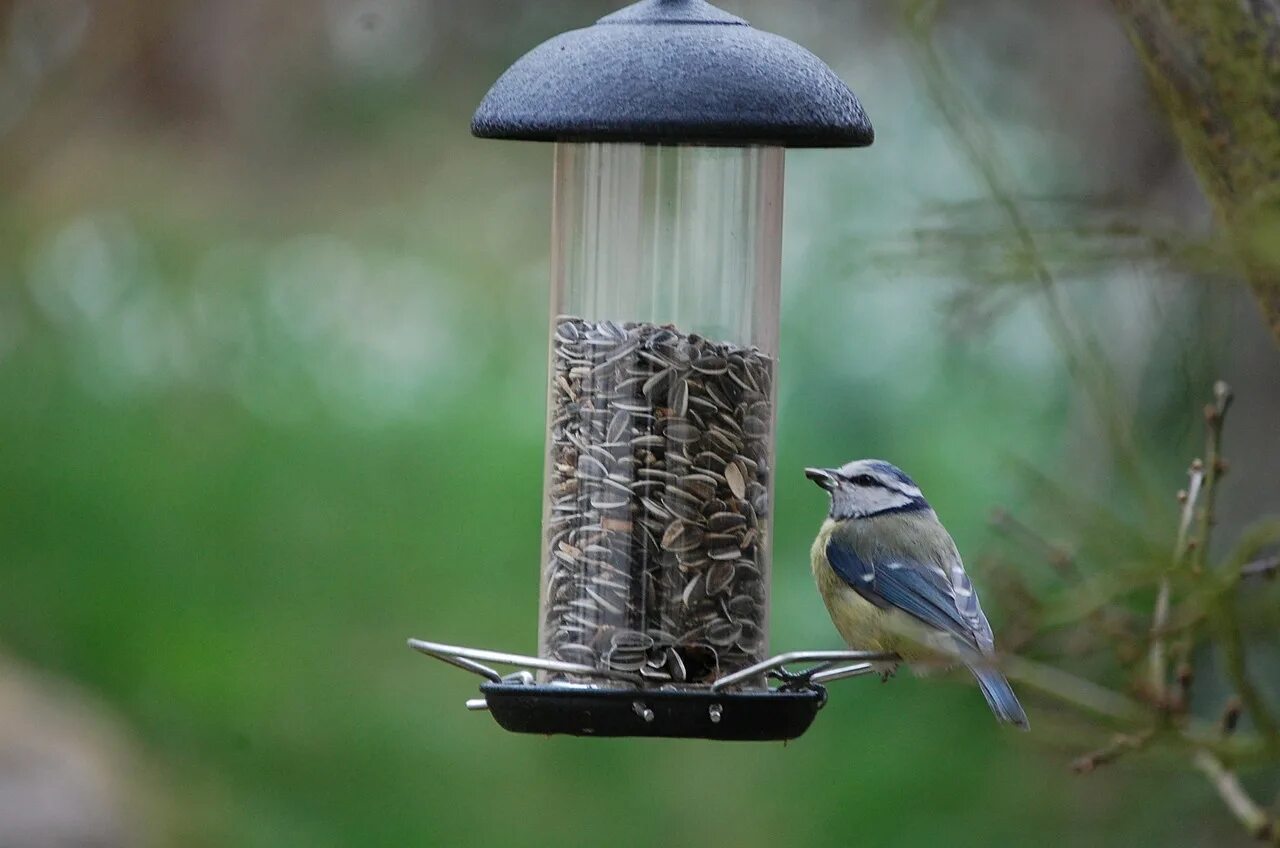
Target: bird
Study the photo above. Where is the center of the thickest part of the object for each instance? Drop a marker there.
(893, 581)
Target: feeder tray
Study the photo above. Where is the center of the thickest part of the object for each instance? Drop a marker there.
(720, 711)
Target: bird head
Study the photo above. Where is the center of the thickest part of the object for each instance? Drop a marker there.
(867, 487)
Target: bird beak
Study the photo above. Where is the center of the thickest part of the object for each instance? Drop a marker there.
(822, 476)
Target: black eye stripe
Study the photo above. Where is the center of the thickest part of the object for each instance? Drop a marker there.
(865, 480)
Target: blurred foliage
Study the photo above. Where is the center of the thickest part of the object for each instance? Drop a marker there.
(271, 372)
(1205, 624)
(1215, 65)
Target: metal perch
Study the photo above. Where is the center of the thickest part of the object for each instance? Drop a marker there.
(825, 667)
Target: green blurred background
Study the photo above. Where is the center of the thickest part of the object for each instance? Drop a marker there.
(272, 338)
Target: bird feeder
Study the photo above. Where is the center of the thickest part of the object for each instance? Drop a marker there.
(670, 120)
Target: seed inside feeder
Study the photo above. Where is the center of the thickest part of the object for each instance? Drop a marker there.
(657, 526)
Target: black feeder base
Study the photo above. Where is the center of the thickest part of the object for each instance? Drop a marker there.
(727, 716)
(762, 715)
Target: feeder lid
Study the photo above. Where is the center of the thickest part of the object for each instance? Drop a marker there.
(673, 72)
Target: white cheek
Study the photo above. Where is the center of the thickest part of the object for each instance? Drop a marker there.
(886, 500)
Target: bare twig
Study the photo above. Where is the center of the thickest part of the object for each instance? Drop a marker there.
(1265, 567)
(1158, 662)
(1083, 695)
(1232, 643)
(1215, 466)
(1231, 716)
(1185, 675)
(1238, 749)
(1245, 562)
(1119, 745)
(1254, 818)
(1232, 646)
(1190, 549)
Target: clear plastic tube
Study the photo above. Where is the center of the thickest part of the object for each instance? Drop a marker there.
(666, 265)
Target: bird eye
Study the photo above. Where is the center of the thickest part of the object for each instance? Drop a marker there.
(864, 480)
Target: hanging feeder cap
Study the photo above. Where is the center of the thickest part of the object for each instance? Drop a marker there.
(673, 72)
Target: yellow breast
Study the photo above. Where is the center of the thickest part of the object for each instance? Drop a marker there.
(863, 625)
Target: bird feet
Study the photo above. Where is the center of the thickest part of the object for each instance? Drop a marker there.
(792, 679)
(800, 682)
(885, 670)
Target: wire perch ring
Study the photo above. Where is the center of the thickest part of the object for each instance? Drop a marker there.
(824, 667)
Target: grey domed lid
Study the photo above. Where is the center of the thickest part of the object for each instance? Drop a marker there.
(673, 72)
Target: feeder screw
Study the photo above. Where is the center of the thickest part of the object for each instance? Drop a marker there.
(642, 711)
(714, 712)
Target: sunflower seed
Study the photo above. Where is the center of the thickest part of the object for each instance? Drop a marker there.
(719, 577)
(735, 477)
(693, 591)
(618, 425)
(725, 552)
(679, 401)
(699, 485)
(682, 432)
(711, 364)
(681, 537)
(609, 500)
(591, 468)
(722, 633)
(632, 639)
(655, 384)
(723, 522)
(575, 653)
(676, 504)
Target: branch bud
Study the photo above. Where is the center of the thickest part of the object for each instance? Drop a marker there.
(1231, 716)
(1186, 676)
(1222, 396)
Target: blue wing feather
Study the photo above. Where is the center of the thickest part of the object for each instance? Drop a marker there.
(943, 599)
(912, 587)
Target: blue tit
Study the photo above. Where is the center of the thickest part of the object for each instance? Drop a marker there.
(893, 581)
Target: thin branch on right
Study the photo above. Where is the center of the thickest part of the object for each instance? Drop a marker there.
(1196, 615)
(1140, 627)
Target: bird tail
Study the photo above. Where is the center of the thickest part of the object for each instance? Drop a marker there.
(1000, 697)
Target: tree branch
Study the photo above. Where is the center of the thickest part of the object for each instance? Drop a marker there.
(1215, 466)
(1254, 818)
(1232, 645)
(1158, 662)
(1190, 550)
(1084, 695)
(1120, 744)
(1229, 629)
(1265, 567)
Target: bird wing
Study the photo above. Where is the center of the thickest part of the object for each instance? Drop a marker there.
(966, 598)
(941, 598)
